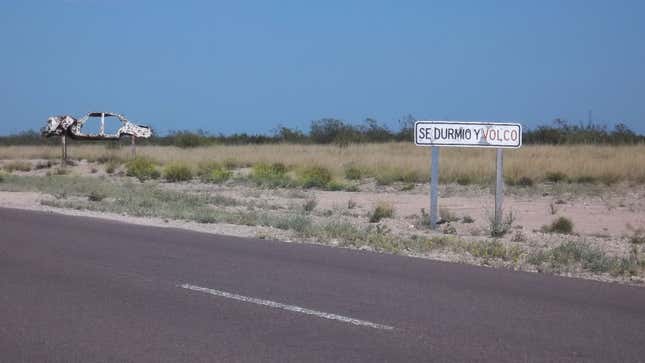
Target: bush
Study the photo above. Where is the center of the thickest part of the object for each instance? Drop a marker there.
(571, 254)
(387, 176)
(555, 176)
(382, 210)
(18, 165)
(464, 180)
(314, 177)
(213, 173)
(310, 205)
(493, 250)
(111, 166)
(96, 196)
(273, 175)
(335, 186)
(219, 176)
(499, 230)
(525, 181)
(586, 179)
(353, 173)
(561, 225)
(177, 172)
(142, 169)
(44, 165)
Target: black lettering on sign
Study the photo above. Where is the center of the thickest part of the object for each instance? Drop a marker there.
(428, 133)
(437, 133)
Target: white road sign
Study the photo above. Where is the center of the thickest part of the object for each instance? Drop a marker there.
(467, 134)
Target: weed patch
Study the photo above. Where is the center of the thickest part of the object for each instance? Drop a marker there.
(555, 177)
(352, 172)
(213, 173)
(17, 166)
(271, 175)
(505, 225)
(562, 225)
(142, 169)
(314, 177)
(177, 172)
(382, 210)
(572, 255)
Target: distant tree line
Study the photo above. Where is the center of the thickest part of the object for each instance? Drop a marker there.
(341, 133)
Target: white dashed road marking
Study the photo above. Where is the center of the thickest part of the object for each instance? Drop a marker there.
(277, 305)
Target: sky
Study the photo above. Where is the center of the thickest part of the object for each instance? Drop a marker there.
(249, 66)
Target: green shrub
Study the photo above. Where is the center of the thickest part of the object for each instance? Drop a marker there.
(382, 210)
(410, 176)
(555, 176)
(464, 180)
(177, 172)
(314, 177)
(105, 159)
(387, 176)
(335, 186)
(586, 179)
(111, 166)
(272, 175)
(407, 187)
(219, 176)
(310, 205)
(44, 165)
(525, 181)
(18, 165)
(352, 172)
(505, 225)
(571, 254)
(142, 169)
(562, 225)
(213, 173)
(638, 236)
(96, 196)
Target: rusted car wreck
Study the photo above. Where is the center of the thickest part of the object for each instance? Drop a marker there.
(69, 126)
(66, 125)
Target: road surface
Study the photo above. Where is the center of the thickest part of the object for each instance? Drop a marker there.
(78, 289)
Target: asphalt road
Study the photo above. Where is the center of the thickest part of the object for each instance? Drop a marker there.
(81, 289)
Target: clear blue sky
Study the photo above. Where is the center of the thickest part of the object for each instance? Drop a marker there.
(242, 66)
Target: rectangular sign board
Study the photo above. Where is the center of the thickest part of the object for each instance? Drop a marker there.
(467, 134)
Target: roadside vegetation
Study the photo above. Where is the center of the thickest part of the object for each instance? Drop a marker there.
(131, 197)
(385, 163)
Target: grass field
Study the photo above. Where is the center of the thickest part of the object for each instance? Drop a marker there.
(391, 161)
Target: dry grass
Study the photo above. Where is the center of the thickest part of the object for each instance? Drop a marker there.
(589, 163)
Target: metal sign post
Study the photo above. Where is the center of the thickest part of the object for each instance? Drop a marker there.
(467, 134)
(499, 189)
(63, 153)
(434, 187)
(133, 147)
